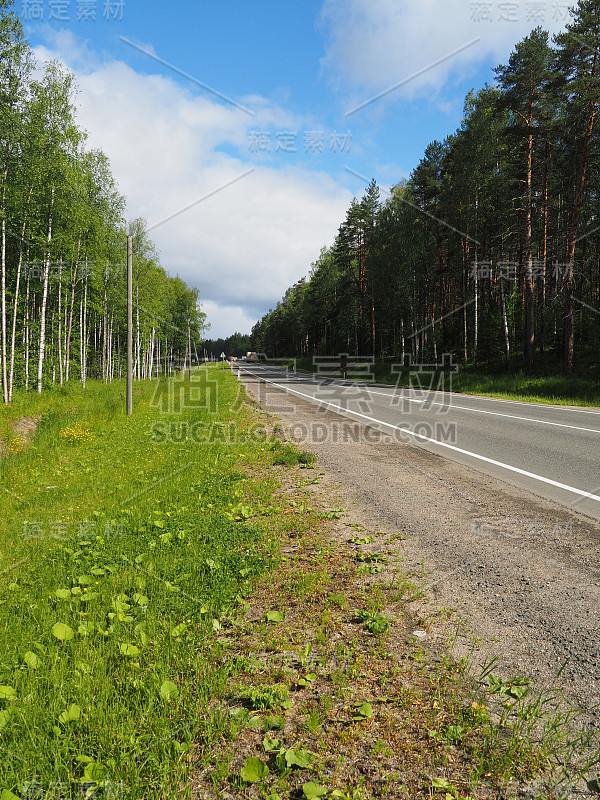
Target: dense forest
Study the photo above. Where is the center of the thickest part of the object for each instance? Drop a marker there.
(490, 250)
(237, 344)
(63, 244)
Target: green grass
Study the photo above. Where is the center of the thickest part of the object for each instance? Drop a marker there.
(552, 389)
(128, 533)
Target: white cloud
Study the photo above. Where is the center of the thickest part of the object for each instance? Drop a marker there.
(225, 320)
(376, 44)
(169, 147)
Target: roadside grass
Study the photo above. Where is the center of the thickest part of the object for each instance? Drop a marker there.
(582, 389)
(126, 546)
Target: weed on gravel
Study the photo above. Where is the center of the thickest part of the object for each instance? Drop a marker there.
(334, 691)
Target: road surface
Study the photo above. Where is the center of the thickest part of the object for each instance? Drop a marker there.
(551, 451)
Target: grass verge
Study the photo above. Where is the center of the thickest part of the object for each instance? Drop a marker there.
(125, 544)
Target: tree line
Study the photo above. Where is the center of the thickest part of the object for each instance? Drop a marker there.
(490, 249)
(238, 344)
(63, 244)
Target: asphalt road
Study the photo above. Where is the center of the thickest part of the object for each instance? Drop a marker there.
(551, 451)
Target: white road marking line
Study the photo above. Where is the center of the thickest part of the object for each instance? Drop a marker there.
(493, 413)
(516, 402)
(424, 438)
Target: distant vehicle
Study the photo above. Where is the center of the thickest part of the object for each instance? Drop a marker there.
(233, 358)
(250, 356)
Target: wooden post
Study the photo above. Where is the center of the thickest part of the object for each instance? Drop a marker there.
(190, 352)
(129, 402)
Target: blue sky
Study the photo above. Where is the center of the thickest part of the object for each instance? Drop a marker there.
(259, 117)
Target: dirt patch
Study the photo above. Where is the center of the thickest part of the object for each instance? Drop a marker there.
(20, 434)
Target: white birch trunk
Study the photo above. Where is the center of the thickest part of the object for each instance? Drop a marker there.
(44, 302)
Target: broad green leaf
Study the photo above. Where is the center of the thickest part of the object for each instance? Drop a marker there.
(365, 711)
(7, 693)
(140, 599)
(254, 770)
(87, 596)
(120, 606)
(168, 691)
(95, 772)
(312, 790)
(271, 745)
(178, 630)
(275, 616)
(307, 679)
(63, 594)
(62, 632)
(86, 628)
(85, 580)
(441, 783)
(5, 717)
(8, 795)
(31, 659)
(72, 713)
(298, 758)
(518, 692)
(129, 649)
(144, 638)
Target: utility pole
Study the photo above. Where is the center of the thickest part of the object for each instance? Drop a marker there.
(129, 402)
(190, 352)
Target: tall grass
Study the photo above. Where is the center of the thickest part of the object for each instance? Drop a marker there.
(121, 555)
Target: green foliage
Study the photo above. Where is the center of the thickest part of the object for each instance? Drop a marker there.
(265, 698)
(288, 456)
(375, 623)
(463, 257)
(254, 770)
(65, 244)
(111, 608)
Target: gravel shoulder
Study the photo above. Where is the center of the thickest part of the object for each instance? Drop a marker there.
(521, 573)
